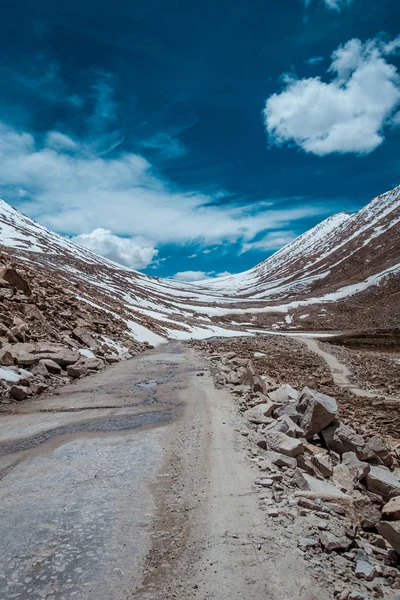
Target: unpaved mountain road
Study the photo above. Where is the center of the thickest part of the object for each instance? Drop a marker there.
(134, 483)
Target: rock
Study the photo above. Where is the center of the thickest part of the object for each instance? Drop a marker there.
(323, 462)
(112, 358)
(341, 438)
(30, 353)
(260, 413)
(308, 504)
(288, 410)
(15, 280)
(357, 468)
(259, 385)
(279, 442)
(38, 388)
(319, 410)
(391, 510)
(51, 366)
(305, 464)
(264, 482)
(40, 370)
(368, 514)
(330, 541)
(305, 543)
(19, 392)
(249, 374)
(232, 378)
(6, 358)
(85, 338)
(364, 569)
(383, 482)
(377, 452)
(320, 486)
(291, 429)
(273, 512)
(33, 313)
(281, 460)
(342, 478)
(390, 530)
(285, 394)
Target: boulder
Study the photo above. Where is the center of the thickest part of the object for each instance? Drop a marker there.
(51, 366)
(285, 394)
(357, 468)
(341, 438)
(31, 353)
(40, 369)
(390, 530)
(364, 569)
(391, 510)
(83, 336)
(19, 392)
(249, 374)
(377, 452)
(15, 280)
(305, 463)
(383, 482)
(280, 460)
(83, 366)
(323, 462)
(330, 542)
(342, 478)
(288, 410)
(319, 410)
(6, 358)
(232, 378)
(292, 430)
(33, 313)
(319, 486)
(259, 414)
(259, 385)
(368, 514)
(279, 442)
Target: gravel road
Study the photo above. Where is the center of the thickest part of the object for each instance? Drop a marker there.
(134, 483)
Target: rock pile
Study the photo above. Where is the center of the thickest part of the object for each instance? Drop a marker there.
(49, 335)
(339, 488)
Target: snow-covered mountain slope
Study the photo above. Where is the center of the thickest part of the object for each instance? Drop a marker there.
(313, 282)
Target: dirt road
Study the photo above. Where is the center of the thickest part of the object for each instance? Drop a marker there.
(134, 483)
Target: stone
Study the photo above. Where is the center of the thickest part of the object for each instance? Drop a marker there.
(368, 514)
(292, 430)
(38, 388)
(33, 313)
(280, 460)
(357, 468)
(280, 442)
(323, 462)
(259, 414)
(320, 486)
(390, 530)
(85, 338)
(273, 512)
(6, 358)
(232, 378)
(288, 410)
(259, 385)
(30, 353)
(383, 482)
(112, 358)
(305, 464)
(265, 482)
(305, 543)
(51, 366)
(329, 541)
(76, 371)
(319, 410)
(342, 478)
(249, 374)
(19, 392)
(341, 438)
(285, 394)
(391, 510)
(308, 504)
(15, 280)
(40, 370)
(377, 452)
(364, 569)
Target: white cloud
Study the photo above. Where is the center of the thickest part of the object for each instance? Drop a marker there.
(71, 189)
(271, 241)
(349, 113)
(132, 252)
(332, 4)
(315, 60)
(189, 276)
(193, 256)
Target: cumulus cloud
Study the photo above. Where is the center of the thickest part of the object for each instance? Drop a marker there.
(346, 114)
(132, 252)
(189, 276)
(71, 188)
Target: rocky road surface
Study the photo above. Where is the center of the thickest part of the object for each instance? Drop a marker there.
(134, 483)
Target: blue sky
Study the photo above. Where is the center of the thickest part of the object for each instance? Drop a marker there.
(188, 139)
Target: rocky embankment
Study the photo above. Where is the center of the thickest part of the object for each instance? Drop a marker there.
(337, 491)
(49, 336)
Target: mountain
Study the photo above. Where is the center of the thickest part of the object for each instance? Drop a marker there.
(333, 277)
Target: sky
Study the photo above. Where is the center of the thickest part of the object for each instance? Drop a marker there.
(193, 139)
